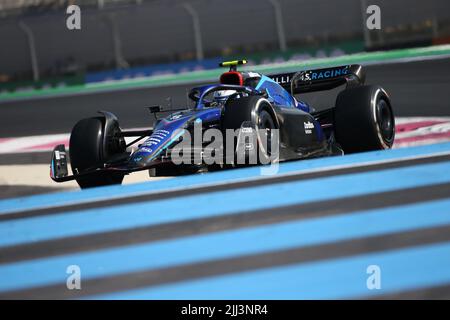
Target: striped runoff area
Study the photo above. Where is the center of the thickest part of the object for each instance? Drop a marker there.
(309, 231)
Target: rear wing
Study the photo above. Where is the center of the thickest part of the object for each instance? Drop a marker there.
(320, 79)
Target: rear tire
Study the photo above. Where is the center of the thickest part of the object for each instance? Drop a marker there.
(364, 120)
(86, 151)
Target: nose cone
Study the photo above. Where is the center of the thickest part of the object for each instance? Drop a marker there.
(159, 141)
(139, 160)
(166, 133)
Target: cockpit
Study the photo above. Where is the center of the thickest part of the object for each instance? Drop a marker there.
(216, 95)
(235, 84)
(231, 84)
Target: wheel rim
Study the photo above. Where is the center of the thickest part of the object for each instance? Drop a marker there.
(385, 121)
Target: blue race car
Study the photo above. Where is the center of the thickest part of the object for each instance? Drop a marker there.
(266, 119)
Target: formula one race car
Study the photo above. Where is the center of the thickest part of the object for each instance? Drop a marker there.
(264, 108)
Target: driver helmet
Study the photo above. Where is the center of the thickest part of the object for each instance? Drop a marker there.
(223, 95)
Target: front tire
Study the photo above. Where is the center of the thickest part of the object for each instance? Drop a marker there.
(257, 112)
(364, 120)
(87, 151)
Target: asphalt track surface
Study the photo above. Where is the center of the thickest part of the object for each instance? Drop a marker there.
(237, 235)
(416, 89)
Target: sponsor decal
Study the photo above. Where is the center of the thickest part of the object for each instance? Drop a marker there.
(176, 116)
(312, 75)
(308, 127)
(286, 78)
(324, 74)
(156, 138)
(249, 146)
(145, 149)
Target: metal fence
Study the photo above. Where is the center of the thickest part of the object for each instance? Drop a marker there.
(138, 32)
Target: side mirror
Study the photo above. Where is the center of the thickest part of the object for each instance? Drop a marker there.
(155, 109)
(264, 93)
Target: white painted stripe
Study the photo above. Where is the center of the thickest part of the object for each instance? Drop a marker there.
(32, 143)
(403, 120)
(23, 143)
(420, 142)
(423, 131)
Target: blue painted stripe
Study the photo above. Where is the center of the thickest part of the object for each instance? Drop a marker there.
(55, 199)
(226, 244)
(224, 202)
(401, 270)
